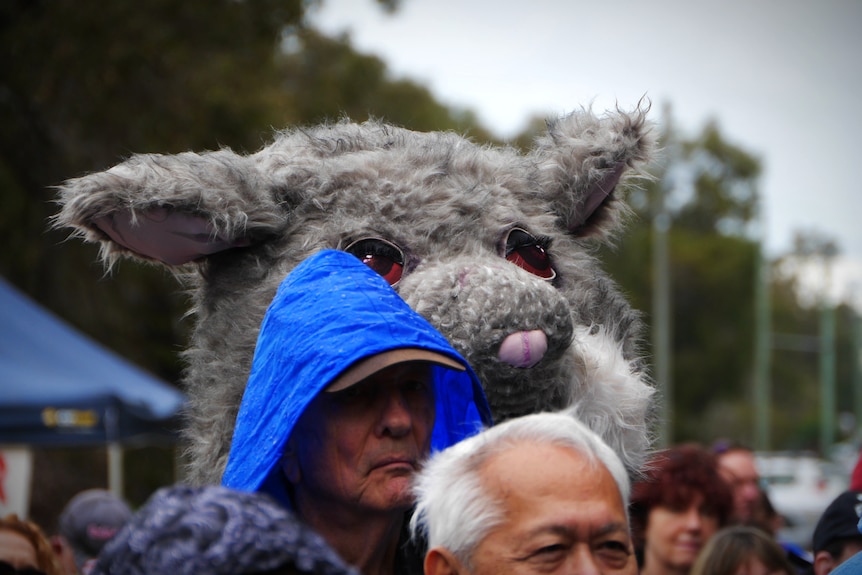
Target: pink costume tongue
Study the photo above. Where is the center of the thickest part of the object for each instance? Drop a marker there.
(524, 348)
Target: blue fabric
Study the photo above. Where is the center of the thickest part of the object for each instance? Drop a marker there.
(46, 364)
(852, 566)
(329, 313)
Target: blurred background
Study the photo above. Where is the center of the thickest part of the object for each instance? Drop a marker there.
(743, 254)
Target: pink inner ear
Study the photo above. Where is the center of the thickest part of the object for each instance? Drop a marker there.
(598, 193)
(173, 238)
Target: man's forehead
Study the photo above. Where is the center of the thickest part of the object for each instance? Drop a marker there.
(553, 490)
(580, 525)
(535, 468)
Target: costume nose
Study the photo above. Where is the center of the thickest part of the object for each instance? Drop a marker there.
(523, 348)
(395, 416)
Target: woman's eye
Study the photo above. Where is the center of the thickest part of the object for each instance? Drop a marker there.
(383, 257)
(707, 511)
(529, 253)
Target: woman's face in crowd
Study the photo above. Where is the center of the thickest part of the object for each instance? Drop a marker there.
(674, 536)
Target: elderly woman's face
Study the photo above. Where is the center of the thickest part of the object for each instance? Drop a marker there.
(16, 550)
(675, 535)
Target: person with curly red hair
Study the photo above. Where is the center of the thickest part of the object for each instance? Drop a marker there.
(676, 507)
(24, 549)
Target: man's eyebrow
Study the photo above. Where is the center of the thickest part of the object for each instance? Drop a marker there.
(557, 529)
(612, 527)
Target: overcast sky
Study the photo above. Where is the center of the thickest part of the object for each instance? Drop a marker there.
(783, 79)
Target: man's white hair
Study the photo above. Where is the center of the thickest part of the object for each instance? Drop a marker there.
(454, 509)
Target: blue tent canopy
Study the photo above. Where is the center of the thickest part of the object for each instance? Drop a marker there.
(58, 387)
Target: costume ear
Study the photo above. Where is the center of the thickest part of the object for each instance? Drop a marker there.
(172, 209)
(439, 561)
(582, 159)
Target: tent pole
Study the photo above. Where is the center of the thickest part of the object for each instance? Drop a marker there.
(115, 469)
(115, 451)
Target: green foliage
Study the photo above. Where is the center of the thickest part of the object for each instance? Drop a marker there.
(326, 80)
(713, 320)
(83, 84)
(725, 178)
(710, 189)
(710, 194)
(87, 83)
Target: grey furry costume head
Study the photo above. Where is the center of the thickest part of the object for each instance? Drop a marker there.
(495, 248)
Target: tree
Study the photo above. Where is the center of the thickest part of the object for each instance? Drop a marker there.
(83, 84)
(711, 197)
(711, 192)
(326, 80)
(86, 83)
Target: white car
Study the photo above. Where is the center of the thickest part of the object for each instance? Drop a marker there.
(800, 487)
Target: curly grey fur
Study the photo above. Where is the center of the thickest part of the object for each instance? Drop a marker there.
(448, 204)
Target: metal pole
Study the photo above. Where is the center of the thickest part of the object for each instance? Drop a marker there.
(827, 370)
(115, 469)
(857, 372)
(115, 452)
(762, 349)
(661, 324)
(661, 321)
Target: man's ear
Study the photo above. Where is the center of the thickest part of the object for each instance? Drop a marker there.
(823, 563)
(439, 561)
(290, 462)
(63, 551)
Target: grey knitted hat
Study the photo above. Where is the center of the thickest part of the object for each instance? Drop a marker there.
(214, 530)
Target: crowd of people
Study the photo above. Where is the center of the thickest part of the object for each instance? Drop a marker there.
(88, 521)
(364, 444)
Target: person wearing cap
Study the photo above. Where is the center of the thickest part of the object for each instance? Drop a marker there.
(853, 565)
(88, 521)
(836, 535)
(349, 391)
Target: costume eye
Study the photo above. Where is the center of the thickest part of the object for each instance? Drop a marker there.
(529, 253)
(380, 255)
